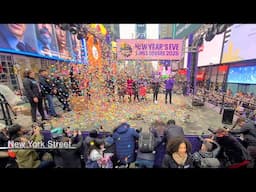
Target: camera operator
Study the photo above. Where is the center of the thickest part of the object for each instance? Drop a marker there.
(3, 143)
(233, 154)
(3, 136)
(69, 158)
(248, 131)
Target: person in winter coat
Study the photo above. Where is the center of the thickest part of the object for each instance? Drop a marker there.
(233, 154)
(155, 84)
(169, 83)
(125, 137)
(129, 87)
(158, 128)
(248, 131)
(206, 156)
(48, 90)
(62, 93)
(178, 154)
(3, 143)
(34, 95)
(97, 157)
(69, 158)
(110, 149)
(173, 130)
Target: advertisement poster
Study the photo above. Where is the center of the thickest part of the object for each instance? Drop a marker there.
(40, 40)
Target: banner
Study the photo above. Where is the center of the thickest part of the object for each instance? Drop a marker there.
(164, 49)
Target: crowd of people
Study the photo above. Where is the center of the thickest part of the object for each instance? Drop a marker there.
(162, 145)
(41, 92)
(244, 104)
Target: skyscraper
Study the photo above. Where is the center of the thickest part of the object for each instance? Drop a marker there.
(114, 29)
(165, 31)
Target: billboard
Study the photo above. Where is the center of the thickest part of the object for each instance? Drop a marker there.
(240, 43)
(163, 49)
(243, 75)
(211, 53)
(40, 40)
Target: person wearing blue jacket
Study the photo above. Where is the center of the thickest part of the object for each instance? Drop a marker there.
(125, 137)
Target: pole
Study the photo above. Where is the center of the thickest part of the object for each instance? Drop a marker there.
(189, 63)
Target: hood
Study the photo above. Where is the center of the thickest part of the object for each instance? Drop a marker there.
(108, 141)
(89, 139)
(123, 128)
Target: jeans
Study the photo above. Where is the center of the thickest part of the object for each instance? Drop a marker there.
(50, 105)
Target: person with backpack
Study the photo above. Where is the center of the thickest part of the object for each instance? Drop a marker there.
(146, 150)
(125, 137)
(206, 156)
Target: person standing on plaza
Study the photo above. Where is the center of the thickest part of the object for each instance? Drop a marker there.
(169, 83)
(33, 93)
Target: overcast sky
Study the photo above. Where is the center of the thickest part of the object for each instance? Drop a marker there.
(127, 31)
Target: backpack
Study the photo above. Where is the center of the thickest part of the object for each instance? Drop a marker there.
(146, 142)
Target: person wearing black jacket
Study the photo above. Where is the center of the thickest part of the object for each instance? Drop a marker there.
(173, 130)
(69, 158)
(3, 136)
(178, 154)
(233, 154)
(3, 143)
(33, 94)
(48, 90)
(248, 131)
(62, 93)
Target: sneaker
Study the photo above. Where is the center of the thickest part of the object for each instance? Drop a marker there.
(68, 110)
(57, 115)
(155, 101)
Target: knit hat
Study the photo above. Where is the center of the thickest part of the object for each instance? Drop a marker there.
(208, 145)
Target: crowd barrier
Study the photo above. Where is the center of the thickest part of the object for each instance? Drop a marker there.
(194, 139)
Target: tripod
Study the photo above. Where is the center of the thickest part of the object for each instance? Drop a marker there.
(6, 108)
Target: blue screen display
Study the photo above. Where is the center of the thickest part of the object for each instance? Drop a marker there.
(41, 40)
(244, 75)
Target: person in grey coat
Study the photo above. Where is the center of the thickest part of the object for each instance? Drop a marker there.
(173, 130)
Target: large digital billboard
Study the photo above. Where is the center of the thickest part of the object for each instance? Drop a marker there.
(240, 43)
(211, 53)
(243, 75)
(40, 40)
